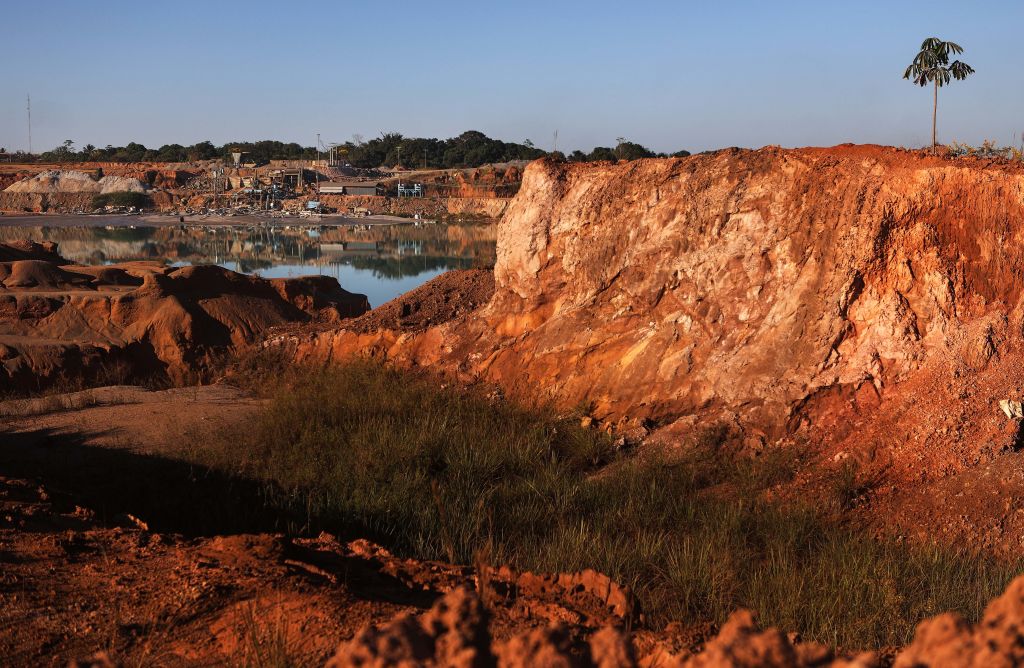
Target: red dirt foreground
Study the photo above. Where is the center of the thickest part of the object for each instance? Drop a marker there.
(61, 322)
(75, 584)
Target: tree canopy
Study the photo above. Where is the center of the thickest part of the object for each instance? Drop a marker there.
(931, 65)
(469, 149)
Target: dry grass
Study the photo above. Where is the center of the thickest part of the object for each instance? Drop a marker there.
(439, 473)
(264, 639)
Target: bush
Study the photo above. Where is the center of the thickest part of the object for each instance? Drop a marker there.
(438, 473)
(126, 199)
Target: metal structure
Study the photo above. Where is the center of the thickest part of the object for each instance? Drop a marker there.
(351, 188)
(410, 189)
(334, 151)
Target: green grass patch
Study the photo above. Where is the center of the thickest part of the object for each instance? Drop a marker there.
(126, 198)
(440, 473)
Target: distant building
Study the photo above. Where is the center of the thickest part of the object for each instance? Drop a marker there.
(294, 177)
(351, 188)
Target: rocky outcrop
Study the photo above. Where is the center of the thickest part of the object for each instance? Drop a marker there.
(775, 290)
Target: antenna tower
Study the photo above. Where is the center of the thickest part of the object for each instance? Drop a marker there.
(28, 107)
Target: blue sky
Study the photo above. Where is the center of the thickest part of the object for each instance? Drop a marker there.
(670, 75)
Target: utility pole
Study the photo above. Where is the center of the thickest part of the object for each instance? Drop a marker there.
(29, 108)
(317, 170)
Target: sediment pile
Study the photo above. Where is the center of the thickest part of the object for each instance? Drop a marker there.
(69, 181)
(141, 320)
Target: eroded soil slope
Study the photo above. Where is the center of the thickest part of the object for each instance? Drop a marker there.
(867, 297)
(62, 322)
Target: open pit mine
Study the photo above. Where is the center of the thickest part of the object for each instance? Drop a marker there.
(866, 297)
(861, 303)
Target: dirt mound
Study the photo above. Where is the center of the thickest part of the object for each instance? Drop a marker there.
(41, 275)
(948, 640)
(439, 300)
(454, 632)
(317, 293)
(142, 319)
(30, 250)
(68, 181)
(110, 274)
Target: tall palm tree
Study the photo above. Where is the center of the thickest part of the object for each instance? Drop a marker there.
(931, 64)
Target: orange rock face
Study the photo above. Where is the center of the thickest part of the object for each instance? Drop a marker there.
(827, 290)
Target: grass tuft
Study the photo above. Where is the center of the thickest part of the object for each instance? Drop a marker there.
(435, 472)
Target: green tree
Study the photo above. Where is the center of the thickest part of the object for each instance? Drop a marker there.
(931, 65)
(627, 150)
(602, 153)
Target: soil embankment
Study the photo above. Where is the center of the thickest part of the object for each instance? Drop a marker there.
(776, 290)
(65, 323)
(864, 299)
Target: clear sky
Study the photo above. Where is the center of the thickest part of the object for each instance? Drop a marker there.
(670, 75)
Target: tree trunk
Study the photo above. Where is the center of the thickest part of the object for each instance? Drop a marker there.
(935, 115)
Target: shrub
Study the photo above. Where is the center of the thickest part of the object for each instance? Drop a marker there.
(126, 199)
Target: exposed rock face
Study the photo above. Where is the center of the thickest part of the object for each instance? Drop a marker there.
(775, 289)
(63, 321)
(40, 202)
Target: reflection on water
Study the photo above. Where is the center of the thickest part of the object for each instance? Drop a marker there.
(381, 262)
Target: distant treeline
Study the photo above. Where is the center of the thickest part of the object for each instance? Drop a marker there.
(470, 149)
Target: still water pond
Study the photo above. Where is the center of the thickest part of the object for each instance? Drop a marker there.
(381, 261)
